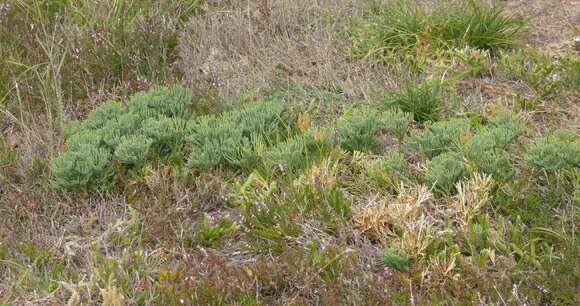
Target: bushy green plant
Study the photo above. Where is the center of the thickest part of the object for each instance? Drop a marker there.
(395, 161)
(111, 129)
(165, 132)
(133, 149)
(102, 114)
(173, 102)
(557, 151)
(208, 235)
(116, 128)
(487, 148)
(444, 171)
(84, 138)
(289, 155)
(386, 30)
(84, 168)
(485, 152)
(505, 128)
(438, 137)
(395, 258)
(229, 138)
(395, 122)
(423, 100)
(357, 130)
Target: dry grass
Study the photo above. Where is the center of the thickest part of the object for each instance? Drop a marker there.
(256, 45)
(132, 244)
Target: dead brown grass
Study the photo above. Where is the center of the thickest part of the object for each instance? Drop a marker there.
(267, 42)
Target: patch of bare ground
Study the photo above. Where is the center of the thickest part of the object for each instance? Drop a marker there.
(552, 23)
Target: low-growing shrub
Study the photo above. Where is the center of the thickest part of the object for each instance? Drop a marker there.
(444, 171)
(557, 151)
(289, 155)
(154, 119)
(173, 102)
(85, 168)
(395, 258)
(487, 149)
(395, 122)
(133, 149)
(438, 137)
(233, 137)
(357, 131)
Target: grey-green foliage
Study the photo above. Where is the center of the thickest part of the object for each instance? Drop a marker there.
(357, 131)
(558, 151)
(133, 149)
(395, 258)
(395, 161)
(78, 169)
(505, 127)
(230, 138)
(83, 138)
(116, 128)
(289, 154)
(101, 115)
(165, 132)
(172, 101)
(484, 152)
(444, 171)
(156, 118)
(487, 148)
(395, 122)
(438, 137)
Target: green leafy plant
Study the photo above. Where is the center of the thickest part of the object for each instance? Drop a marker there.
(438, 137)
(395, 258)
(423, 100)
(208, 235)
(444, 171)
(289, 155)
(127, 133)
(557, 151)
(133, 149)
(172, 102)
(357, 130)
(167, 133)
(395, 122)
(85, 168)
(230, 138)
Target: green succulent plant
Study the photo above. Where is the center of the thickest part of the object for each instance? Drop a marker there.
(558, 151)
(133, 149)
(82, 169)
(357, 130)
(395, 258)
(172, 101)
(438, 137)
(101, 115)
(231, 138)
(395, 122)
(288, 155)
(444, 171)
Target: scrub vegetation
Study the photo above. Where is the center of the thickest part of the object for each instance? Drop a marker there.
(289, 152)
